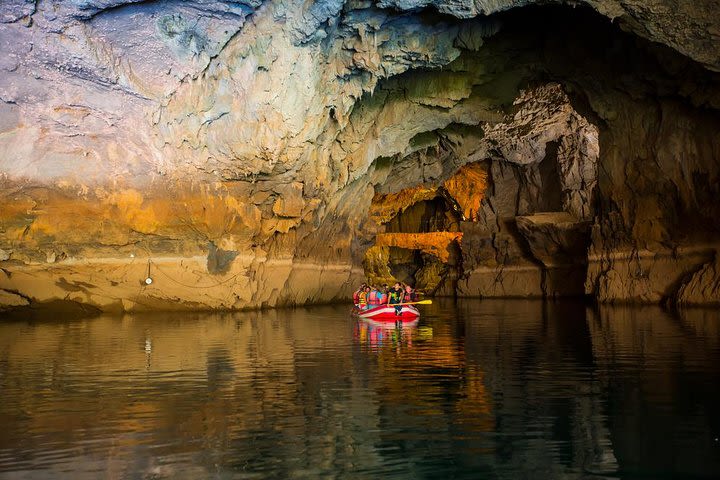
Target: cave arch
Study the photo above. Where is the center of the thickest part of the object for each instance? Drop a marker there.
(630, 95)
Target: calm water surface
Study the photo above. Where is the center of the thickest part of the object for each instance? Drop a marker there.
(478, 389)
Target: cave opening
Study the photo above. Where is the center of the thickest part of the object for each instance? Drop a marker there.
(419, 246)
(550, 199)
(532, 105)
(435, 215)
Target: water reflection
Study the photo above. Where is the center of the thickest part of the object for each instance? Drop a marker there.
(661, 368)
(477, 389)
(377, 334)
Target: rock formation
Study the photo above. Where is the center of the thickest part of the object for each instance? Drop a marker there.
(249, 154)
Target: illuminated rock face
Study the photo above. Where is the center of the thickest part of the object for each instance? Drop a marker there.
(434, 243)
(253, 151)
(542, 158)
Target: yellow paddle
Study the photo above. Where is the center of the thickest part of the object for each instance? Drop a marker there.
(420, 302)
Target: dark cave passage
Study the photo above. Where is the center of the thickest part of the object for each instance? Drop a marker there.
(419, 247)
(587, 136)
(435, 215)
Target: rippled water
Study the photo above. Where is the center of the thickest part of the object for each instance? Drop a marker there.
(478, 389)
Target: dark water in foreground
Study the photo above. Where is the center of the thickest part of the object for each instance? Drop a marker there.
(481, 389)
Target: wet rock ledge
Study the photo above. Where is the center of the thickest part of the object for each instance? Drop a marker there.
(211, 154)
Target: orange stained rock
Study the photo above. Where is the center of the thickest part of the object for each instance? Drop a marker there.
(36, 216)
(434, 243)
(467, 187)
(128, 205)
(385, 207)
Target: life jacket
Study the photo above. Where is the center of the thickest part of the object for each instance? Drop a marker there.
(356, 297)
(381, 298)
(363, 298)
(373, 297)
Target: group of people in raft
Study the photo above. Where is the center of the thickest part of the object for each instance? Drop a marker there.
(367, 296)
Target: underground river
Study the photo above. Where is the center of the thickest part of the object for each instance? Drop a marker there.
(478, 389)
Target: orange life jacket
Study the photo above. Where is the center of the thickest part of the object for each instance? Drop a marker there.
(373, 297)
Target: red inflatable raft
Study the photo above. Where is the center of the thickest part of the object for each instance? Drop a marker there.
(386, 313)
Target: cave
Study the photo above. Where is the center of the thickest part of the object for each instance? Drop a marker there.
(546, 210)
(477, 151)
(435, 215)
(175, 172)
(419, 246)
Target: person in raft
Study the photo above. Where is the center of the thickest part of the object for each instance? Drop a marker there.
(365, 298)
(382, 295)
(356, 294)
(373, 297)
(410, 294)
(395, 296)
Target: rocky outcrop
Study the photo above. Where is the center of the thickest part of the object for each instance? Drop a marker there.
(555, 239)
(542, 157)
(433, 243)
(257, 149)
(702, 287)
(10, 300)
(558, 241)
(466, 190)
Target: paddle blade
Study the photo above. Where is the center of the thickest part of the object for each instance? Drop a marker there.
(424, 302)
